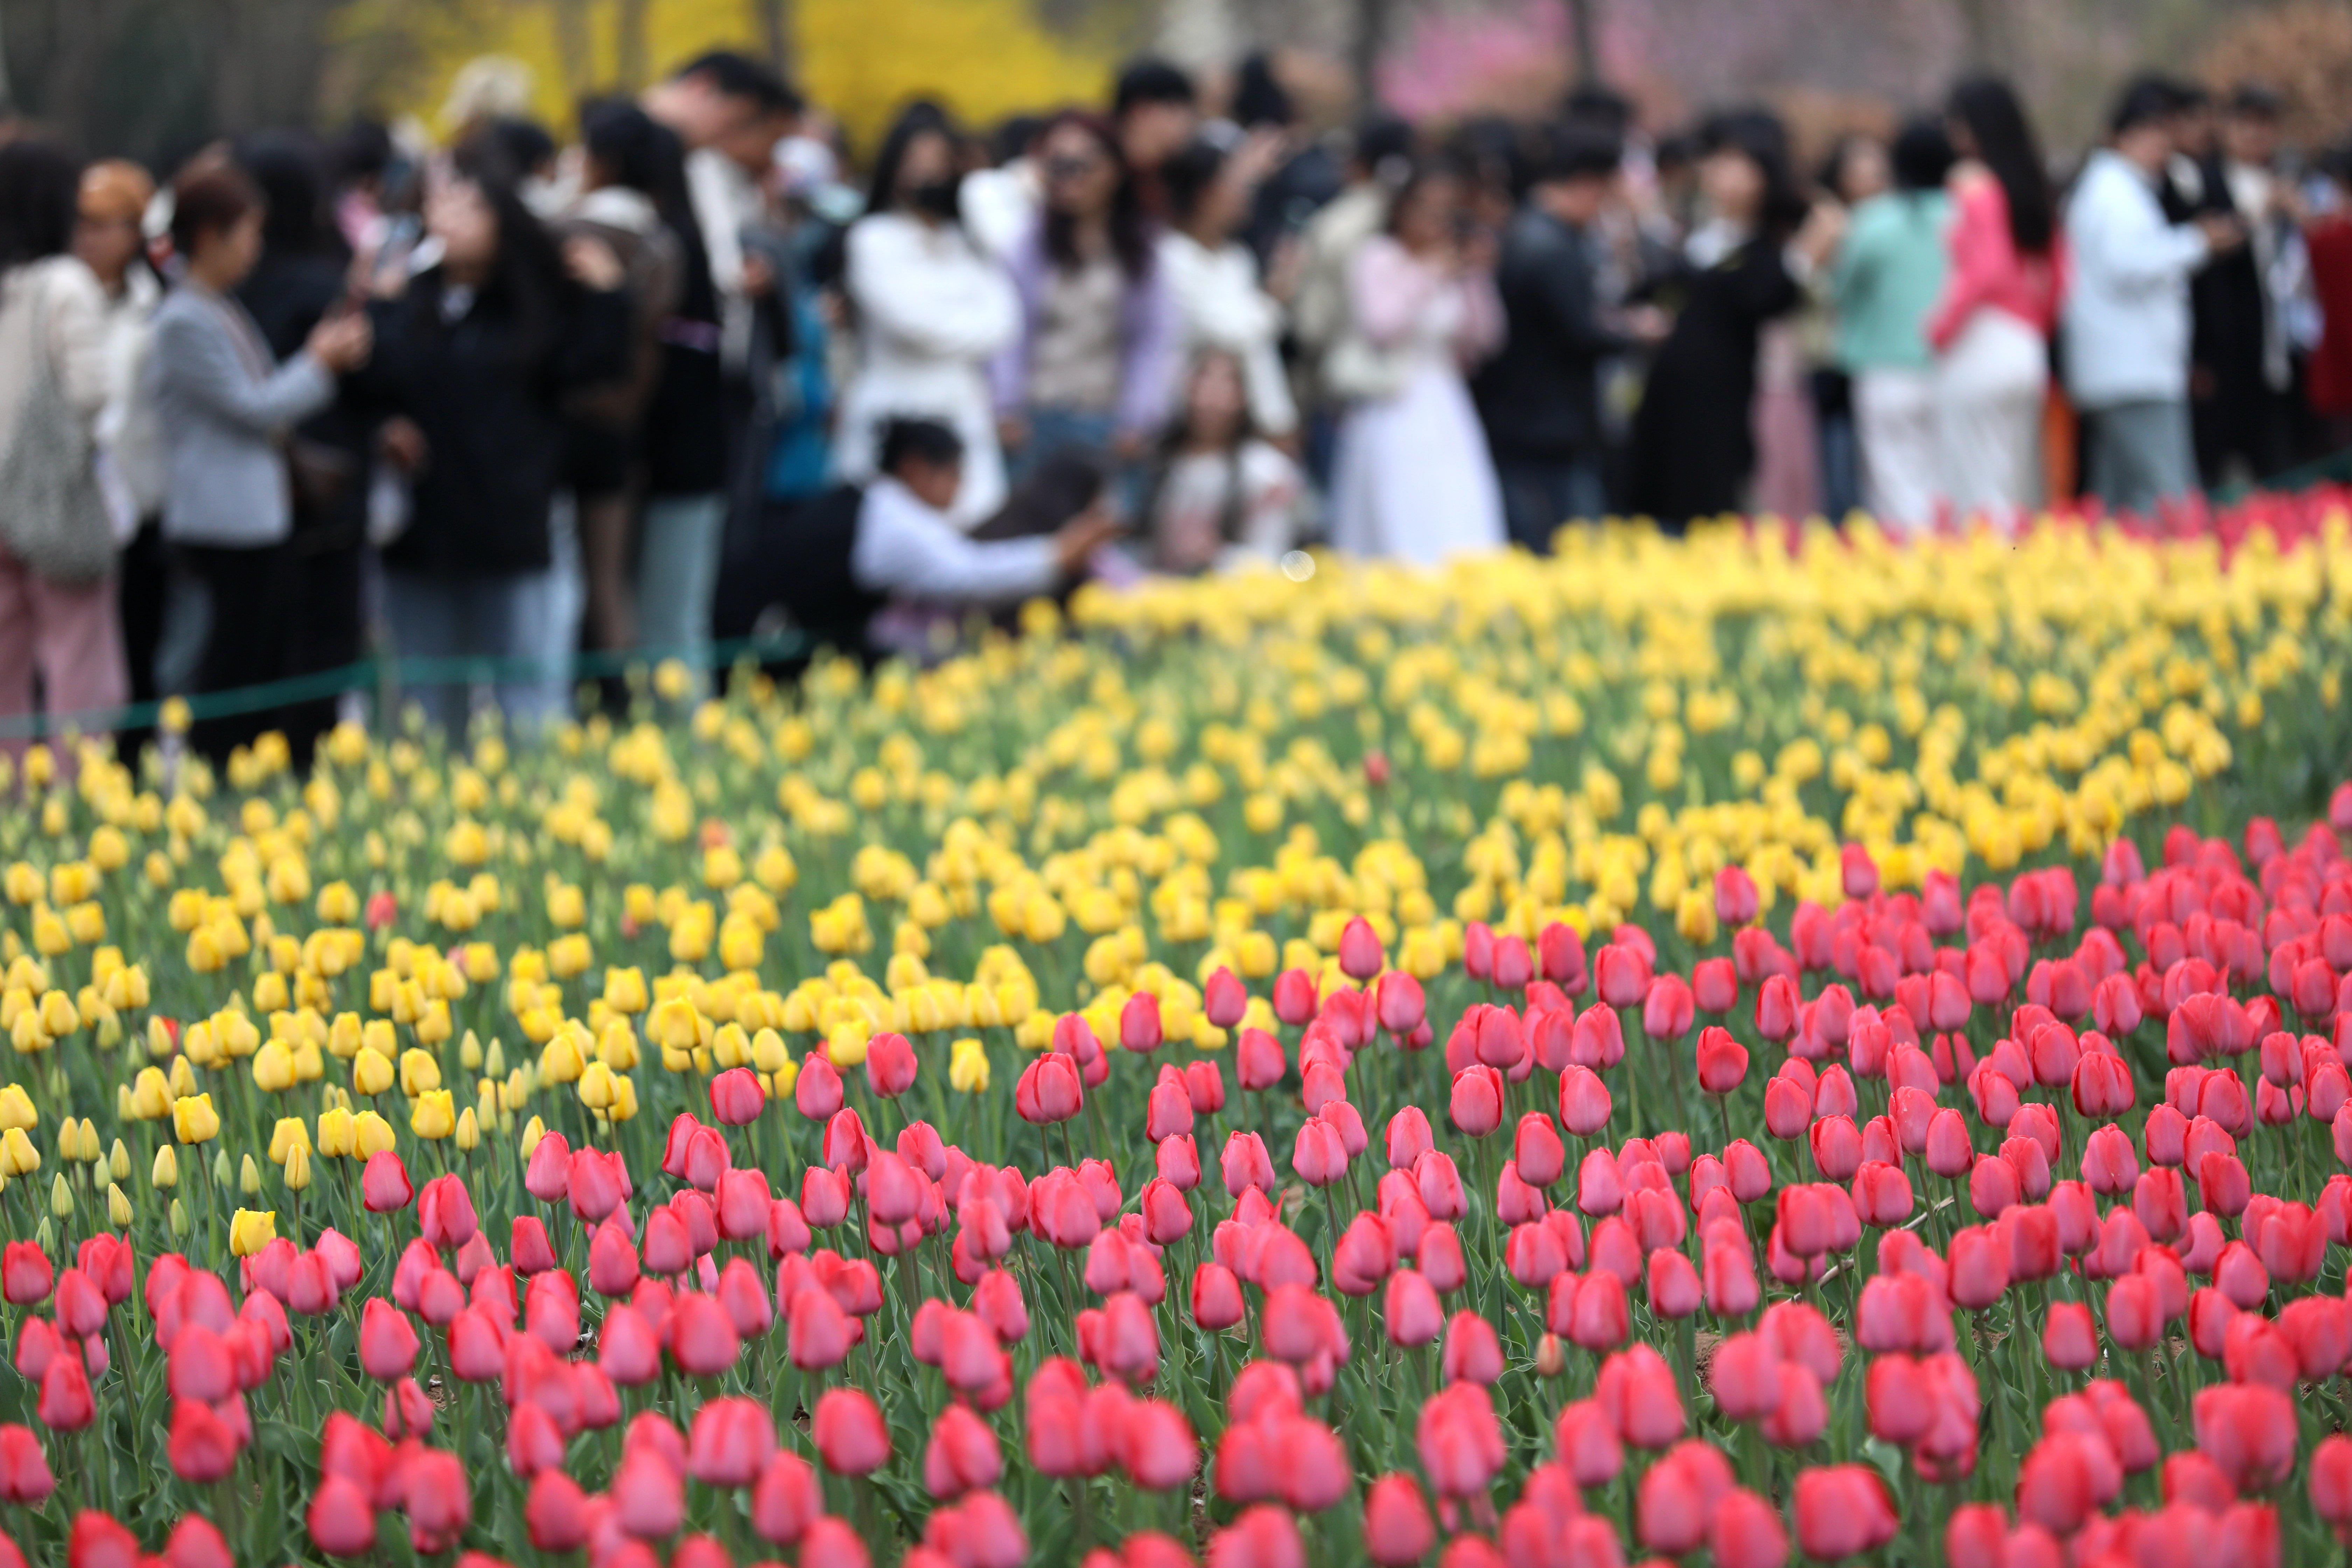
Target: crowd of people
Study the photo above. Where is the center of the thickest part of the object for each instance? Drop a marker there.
(512, 399)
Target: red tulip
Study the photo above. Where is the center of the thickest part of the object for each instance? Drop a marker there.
(889, 1065)
(1460, 1444)
(2249, 1430)
(731, 1443)
(1049, 1090)
(384, 1183)
(202, 1448)
(849, 1434)
(1842, 1511)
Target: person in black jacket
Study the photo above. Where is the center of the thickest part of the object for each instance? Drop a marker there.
(475, 352)
(304, 274)
(1539, 398)
(1694, 441)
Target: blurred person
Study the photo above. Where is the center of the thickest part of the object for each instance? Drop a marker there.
(475, 352)
(1412, 479)
(731, 112)
(226, 408)
(2327, 238)
(632, 198)
(2127, 311)
(1990, 327)
(1304, 173)
(999, 199)
(110, 239)
(858, 550)
(1889, 273)
(1855, 170)
(1093, 364)
(1220, 304)
(2241, 369)
(1539, 395)
(929, 309)
(1155, 114)
(1223, 494)
(57, 538)
(1379, 156)
(1694, 445)
(302, 277)
(360, 162)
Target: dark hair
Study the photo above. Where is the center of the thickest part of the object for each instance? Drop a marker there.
(2145, 101)
(1425, 173)
(731, 75)
(918, 118)
(918, 441)
(526, 143)
(286, 168)
(2253, 100)
(1603, 108)
(1922, 156)
(1064, 482)
(1189, 177)
(527, 277)
(1259, 96)
(2006, 145)
(1759, 135)
(362, 150)
(1830, 176)
(1130, 231)
(211, 198)
(640, 153)
(1380, 138)
(1580, 150)
(1151, 80)
(1013, 136)
(40, 192)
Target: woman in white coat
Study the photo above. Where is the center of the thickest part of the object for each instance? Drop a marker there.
(1224, 309)
(929, 309)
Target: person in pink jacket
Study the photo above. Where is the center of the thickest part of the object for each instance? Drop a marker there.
(1991, 329)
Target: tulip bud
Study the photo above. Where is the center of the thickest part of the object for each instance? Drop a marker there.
(179, 1221)
(167, 1172)
(249, 1177)
(117, 1206)
(61, 1202)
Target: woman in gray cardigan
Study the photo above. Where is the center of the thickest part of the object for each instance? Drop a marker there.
(224, 410)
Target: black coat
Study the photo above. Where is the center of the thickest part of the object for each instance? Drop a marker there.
(486, 389)
(1694, 437)
(1540, 396)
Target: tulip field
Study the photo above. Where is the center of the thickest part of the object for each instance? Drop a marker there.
(1779, 1047)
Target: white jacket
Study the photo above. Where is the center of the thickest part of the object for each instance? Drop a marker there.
(1223, 309)
(2127, 315)
(931, 310)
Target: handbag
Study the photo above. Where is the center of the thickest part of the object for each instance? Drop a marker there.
(1359, 370)
(52, 511)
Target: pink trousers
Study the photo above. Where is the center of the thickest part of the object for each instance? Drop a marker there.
(69, 635)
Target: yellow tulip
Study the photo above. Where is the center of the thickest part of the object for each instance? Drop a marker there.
(166, 1171)
(248, 1179)
(435, 1114)
(117, 1206)
(371, 1072)
(17, 1108)
(420, 1072)
(297, 1175)
(193, 1121)
(371, 1135)
(250, 1230)
(334, 1132)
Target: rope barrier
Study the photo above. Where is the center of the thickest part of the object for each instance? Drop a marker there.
(376, 673)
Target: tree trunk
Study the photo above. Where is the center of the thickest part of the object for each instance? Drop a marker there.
(1372, 17)
(776, 32)
(629, 25)
(1584, 31)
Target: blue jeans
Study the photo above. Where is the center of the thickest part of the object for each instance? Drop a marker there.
(678, 577)
(459, 617)
(1539, 494)
(2142, 453)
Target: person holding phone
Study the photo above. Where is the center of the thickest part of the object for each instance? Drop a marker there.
(226, 409)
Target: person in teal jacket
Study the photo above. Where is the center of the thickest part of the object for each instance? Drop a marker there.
(1888, 275)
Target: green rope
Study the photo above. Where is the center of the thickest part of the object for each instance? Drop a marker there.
(374, 674)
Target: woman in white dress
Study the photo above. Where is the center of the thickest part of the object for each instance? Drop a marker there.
(930, 309)
(1412, 478)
